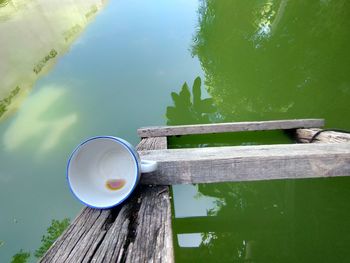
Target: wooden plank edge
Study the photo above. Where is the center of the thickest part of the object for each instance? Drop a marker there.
(321, 136)
(235, 164)
(160, 131)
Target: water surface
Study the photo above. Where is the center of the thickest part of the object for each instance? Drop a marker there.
(116, 76)
(265, 60)
(126, 66)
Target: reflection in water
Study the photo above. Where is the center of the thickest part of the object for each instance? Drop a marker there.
(197, 203)
(268, 16)
(260, 62)
(126, 40)
(190, 109)
(34, 122)
(250, 213)
(271, 221)
(189, 240)
(52, 233)
(3, 3)
(33, 33)
(7, 101)
(20, 257)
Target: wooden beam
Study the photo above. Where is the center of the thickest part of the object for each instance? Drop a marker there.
(306, 135)
(228, 127)
(248, 163)
(153, 241)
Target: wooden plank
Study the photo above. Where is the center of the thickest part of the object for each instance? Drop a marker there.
(154, 144)
(306, 135)
(153, 241)
(153, 235)
(80, 236)
(248, 163)
(160, 131)
(139, 230)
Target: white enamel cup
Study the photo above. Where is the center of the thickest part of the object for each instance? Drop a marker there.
(103, 158)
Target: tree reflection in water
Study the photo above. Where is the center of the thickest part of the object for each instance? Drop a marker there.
(275, 59)
(190, 109)
(261, 62)
(245, 213)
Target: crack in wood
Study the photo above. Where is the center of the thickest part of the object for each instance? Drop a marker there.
(130, 238)
(111, 218)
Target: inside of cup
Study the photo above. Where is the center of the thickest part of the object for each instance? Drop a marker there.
(98, 165)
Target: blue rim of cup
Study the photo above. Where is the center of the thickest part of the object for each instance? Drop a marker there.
(122, 143)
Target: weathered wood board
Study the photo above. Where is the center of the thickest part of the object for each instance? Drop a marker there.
(306, 135)
(139, 230)
(248, 163)
(153, 240)
(228, 127)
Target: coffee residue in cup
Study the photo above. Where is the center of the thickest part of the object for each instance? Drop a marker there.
(115, 184)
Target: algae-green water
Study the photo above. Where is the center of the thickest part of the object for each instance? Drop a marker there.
(122, 64)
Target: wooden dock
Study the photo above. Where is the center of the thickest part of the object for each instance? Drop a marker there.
(140, 230)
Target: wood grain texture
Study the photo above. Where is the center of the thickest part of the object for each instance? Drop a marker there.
(305, 136)
(248, 163)
(153, 236)
(79, 237)
(139, 230)
(161, 131)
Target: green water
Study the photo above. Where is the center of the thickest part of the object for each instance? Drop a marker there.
(255, 60)
(266, 60)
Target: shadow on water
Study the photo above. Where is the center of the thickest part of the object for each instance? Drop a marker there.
(190, 108)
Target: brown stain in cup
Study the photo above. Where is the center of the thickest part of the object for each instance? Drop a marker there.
(115, 184)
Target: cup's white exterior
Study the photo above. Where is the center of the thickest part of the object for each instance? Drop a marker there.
(99, 159)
